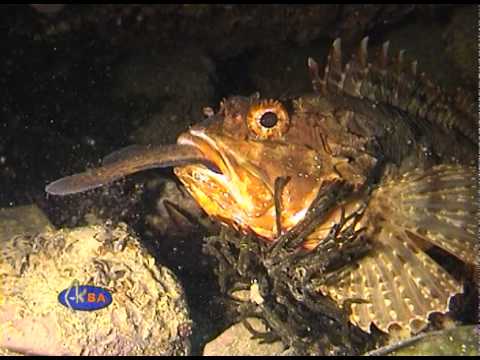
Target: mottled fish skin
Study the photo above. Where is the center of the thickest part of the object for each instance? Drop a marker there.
(380, 124)
(363, 118)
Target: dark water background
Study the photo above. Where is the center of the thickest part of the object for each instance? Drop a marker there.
(87, 80)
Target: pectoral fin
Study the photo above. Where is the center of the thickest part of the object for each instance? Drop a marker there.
(401, 284)
(438, 205)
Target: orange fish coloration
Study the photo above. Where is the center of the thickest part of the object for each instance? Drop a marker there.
(379, 124)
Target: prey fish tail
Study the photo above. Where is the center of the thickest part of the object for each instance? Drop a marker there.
(127, 161)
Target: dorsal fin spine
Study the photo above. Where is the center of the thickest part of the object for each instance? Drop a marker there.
(388, 81)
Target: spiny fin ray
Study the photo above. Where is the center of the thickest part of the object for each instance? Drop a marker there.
(437, 205)
(402, 286)
(400, 283)
(395, 83)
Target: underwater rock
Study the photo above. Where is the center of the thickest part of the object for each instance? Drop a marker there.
(6, 352)
(175, 225)
(238, 341)
(355, 20)
(22, 219)
(429, 49)
(164, 73)
(148, 314)
(48, 9)
(277, 70)
(280, 72)
(462, 340)
(179, 83)
(176, 213)
(462, 43)
(224, 30)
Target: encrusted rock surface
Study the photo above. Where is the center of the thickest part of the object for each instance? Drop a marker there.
(148, 314)
(238, 341)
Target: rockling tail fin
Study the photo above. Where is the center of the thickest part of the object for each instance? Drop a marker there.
(127, 161)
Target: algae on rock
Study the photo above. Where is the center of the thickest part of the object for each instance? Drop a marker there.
(148, 314)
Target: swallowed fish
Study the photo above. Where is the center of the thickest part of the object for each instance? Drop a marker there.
(381, 125)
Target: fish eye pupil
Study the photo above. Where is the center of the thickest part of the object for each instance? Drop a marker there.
(269, 119)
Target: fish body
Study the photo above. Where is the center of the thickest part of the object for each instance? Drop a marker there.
(258, 165)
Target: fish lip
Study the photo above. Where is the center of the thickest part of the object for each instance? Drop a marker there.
(191, 137)
(224, 158)
(197, 137)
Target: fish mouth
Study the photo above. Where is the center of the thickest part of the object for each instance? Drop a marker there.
(207, 147)
(242, 184)
(241, 193)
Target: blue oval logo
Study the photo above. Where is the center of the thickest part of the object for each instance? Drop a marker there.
(85, 297)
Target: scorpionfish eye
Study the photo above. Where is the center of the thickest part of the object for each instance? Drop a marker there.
(267, 119)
